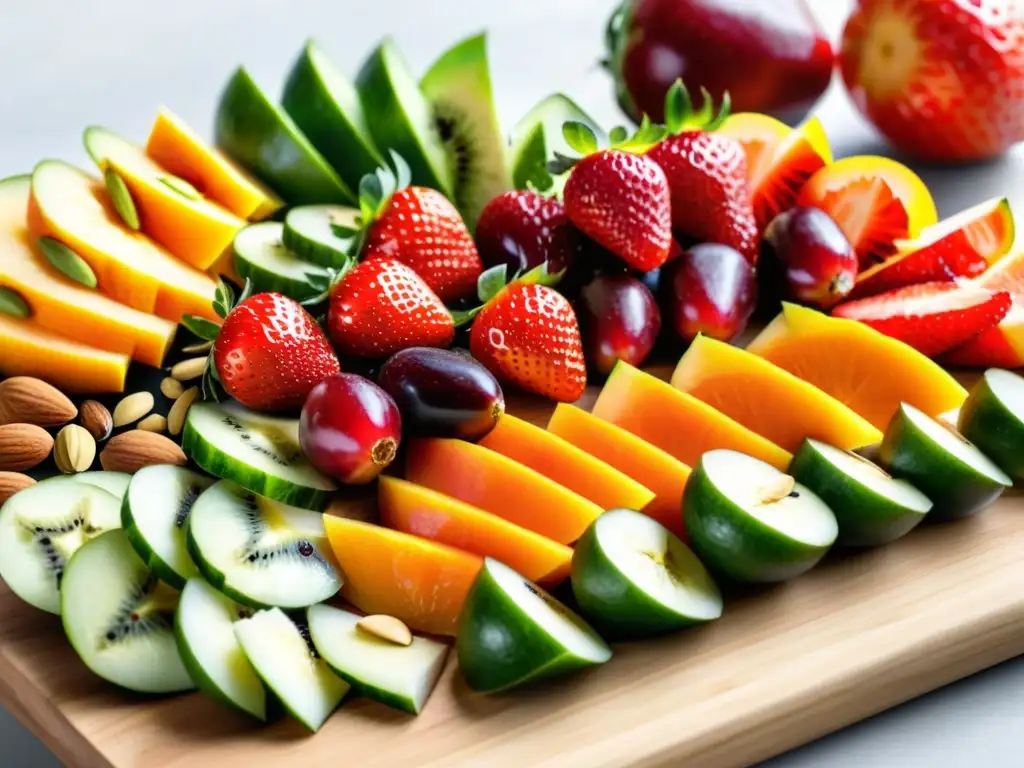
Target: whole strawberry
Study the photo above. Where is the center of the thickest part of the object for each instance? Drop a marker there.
(270, 353)
(707, 176)
(522, 229)
(382, 306)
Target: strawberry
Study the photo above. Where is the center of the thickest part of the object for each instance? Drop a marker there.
(925, 265)
(382, 306)
(270, 353)
(523, 229)
(707, 176)
(932, 317)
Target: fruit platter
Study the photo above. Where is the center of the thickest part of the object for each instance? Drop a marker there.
(369, 430)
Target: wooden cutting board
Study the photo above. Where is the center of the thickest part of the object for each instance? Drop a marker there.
(861, 633)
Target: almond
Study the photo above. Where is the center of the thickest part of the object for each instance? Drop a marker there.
(386, 628)
(26, 400)
(133, 408)
(171, 388)
(190, 369)
(23, 446)
(131, 451)
(74, 450)
(153, 423)
(176, 418)
(96, 419)
(11, 483)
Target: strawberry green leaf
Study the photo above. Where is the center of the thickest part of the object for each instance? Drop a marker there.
(247, 291)
(201, 327)
(212, 390)
(618, 135)
(371, 196)
(224, 298)
(403, 174)
(678, 107)
(680, 115)
(491, 281)
(561, 164)
(724, 110)
(580, 137)
(461, 318)
(541, 276)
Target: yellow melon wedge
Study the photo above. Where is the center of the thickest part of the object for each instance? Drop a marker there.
(75, 208)
(188, 225)
(768, 400)
(63, 306)
(179, 149)
(857, 365)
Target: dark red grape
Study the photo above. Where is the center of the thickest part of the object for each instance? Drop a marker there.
(619, 320)
(710, 289)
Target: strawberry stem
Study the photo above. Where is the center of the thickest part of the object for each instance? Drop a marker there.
(680, 115)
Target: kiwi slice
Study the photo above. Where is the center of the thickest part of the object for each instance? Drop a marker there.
(993, 419)
(259, 552)
(259, 452)
(153, 516)
(42, 526)
(118, 616)
(114, 483)
(537, 137)
(262, 258)
(308, 233)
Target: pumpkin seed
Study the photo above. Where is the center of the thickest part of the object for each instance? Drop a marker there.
(67, 261)
(12, 304)
(181, 186)
(122, 199)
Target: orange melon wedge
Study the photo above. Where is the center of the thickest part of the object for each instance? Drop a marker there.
(855, 364)
(418, 581)
(566, 464)
(767, 399)
(501, 486)
(652, 467)
(419, 511)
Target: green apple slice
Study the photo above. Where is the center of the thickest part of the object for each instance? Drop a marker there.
(280, 653)
(153, 516)
(871, 506)
(261, 453)
(633, 578)
(118, 616)
(993, 419)
(537, 137)
(204, 628)
(512, 632)
(941, 463)
(259, 552)
(114, 483)
(309, 233)
(396, 675)
(262, 257)
(751, 522)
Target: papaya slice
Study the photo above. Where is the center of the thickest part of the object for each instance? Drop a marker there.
(497, 484)
(767, 399)
(833, 354)
(652, 467)
(566, 464)
(419, 511)
(680, 424)
(421, 582)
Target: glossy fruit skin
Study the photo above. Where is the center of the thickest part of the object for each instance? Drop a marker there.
(772, 56)
(806, 257)
(270, 353)
(622, 201)
(441, 393)
(619, 320)
(422, 229)
(523, 229)
(382, 306)
(941, 80)
(350, 429)
(712, 290)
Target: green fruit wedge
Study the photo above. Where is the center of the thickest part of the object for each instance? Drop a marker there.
(261, 138)
(512, 632)
(309, 233)
(537, 137)
(941, 463)
(633, 578)
(751, 522)
(114, 483)
(993, 419)
(263, 259)
(871, 506)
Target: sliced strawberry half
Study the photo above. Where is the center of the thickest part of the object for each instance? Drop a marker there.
(932, 318)
(782, 171)
(1001, 346)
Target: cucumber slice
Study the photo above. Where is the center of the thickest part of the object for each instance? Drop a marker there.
(114, 483)
(117, 615)
(398, 676)
(538, 136)
(870, 505)
(993, 419)
(204, 628)
(512, 632)
(634, 578)
(262, 257)
(259, 552)
(282, 656)
(42, 526)
(751, 522)
(308, 233)
(153, 516)
(260, 453)
(941, 463)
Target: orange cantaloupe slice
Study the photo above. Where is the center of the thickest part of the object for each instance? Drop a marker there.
(421, 582)
(179, 149)
(665, 475)
(191, 227)
(768, 400)
(566, 464)
(74, 208)
(419, 511)
(679, 424)
(497, 484)
(858, 366)
(64, 306)
(28, 349)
